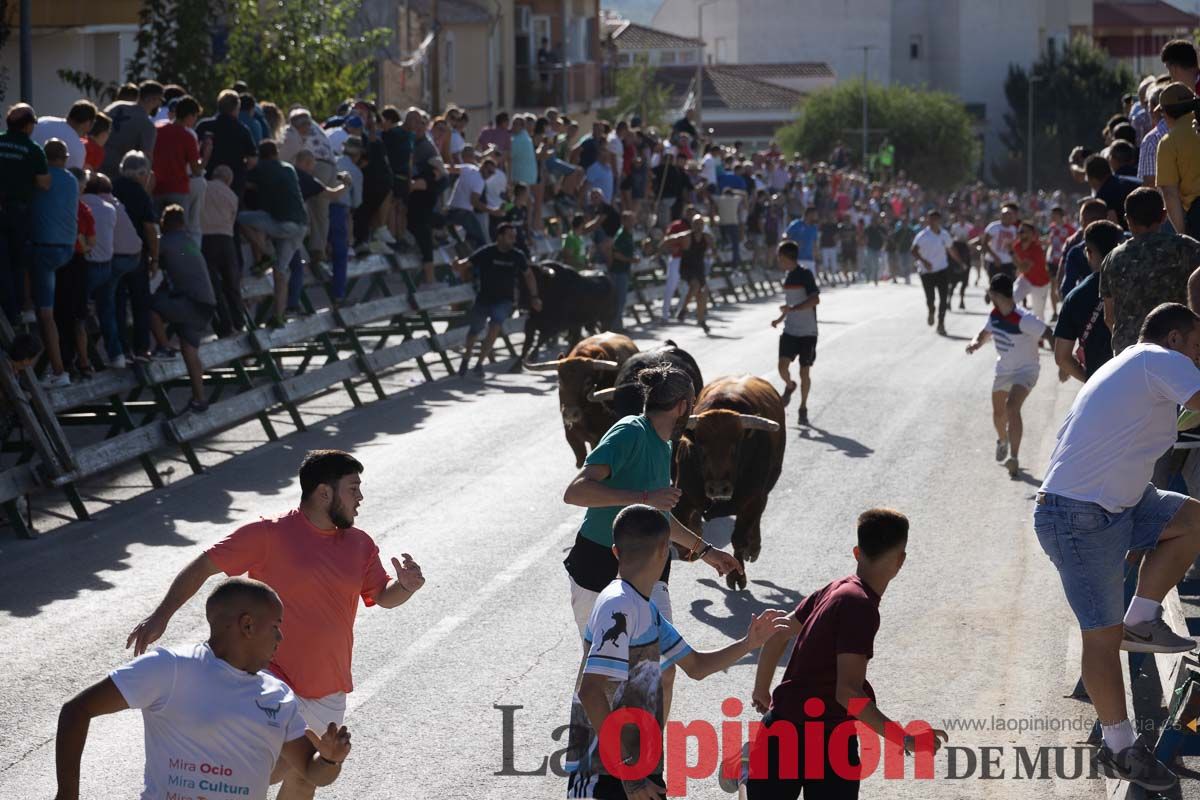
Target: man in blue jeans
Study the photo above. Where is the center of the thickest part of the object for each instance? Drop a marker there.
(54, 230)
(496, 269)
(1096, 504)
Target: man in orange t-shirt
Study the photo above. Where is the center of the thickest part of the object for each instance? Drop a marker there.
(320, 566)
(1033, 280)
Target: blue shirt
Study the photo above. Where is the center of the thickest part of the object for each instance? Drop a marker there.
(805, 236)
(730, 180)
(601, 177)
(55, 211)
(1075, 269)
(524, 162)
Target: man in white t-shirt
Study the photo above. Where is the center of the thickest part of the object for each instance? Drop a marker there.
(467, 201)
(70, 130)
(997, 243)
(1016, 334)
(217, 723)
(1096, 504)
(932, 251)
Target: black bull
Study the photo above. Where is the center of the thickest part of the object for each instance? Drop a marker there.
(571, 302)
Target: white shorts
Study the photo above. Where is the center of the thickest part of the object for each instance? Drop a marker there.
(319, 712)
(583, 600)
(1026, 376)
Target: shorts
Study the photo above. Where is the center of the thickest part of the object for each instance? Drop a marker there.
(1087, 545)
(321, 711)
(188, 319)
(48, 259)
(692, 274)
(400, 187)
(481, 313)
(1026, 376)
(802, 347)
(582, 601)
(601, 787)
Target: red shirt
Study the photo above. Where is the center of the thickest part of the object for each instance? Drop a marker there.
(320, 576)
(842, 617)
(1033, 252)
(86, 224)
(175, 149)
(678, 226)
(93, 154)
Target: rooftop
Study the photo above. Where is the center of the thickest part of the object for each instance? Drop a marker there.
(725, 87)
(632, 36)
(1139, 14)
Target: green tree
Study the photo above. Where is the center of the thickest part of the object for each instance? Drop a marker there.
(931, 131)
(1074, 94)
(638, 94)
(174, 45)
(301, 51)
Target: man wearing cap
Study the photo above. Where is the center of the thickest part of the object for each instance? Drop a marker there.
(352, 125)
(1177, 169)
(23, 172)
(303, 134)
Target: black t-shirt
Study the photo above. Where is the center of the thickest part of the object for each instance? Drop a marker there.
(1114, 191)
(828, 236)
(612, 219)
(876, 236)
(497, 272)
(1081, 318)
(399, 145)
(137, 203)
(310, 187)
(588, 149)
(232, 145)
(21, 161)
(593, 566)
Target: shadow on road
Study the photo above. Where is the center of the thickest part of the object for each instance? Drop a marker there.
(739, 605)
(851, 447)
(79, 557)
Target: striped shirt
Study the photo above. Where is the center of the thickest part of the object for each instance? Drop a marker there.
(1148, 154)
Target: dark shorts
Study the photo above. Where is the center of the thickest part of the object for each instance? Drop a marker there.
(482, 313)
(185, 317)
(802, 347)
(400, 187)
(692, 274)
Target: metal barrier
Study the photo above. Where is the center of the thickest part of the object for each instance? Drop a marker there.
(129, 416)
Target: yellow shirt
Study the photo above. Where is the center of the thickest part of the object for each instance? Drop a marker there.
(1178, 162)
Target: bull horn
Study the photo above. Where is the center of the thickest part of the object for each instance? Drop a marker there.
(543, 366)
(605, 366)
(602, 395)
(751, 422)
(693, 421)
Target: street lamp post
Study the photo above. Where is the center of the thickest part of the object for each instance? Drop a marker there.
(1029, 137)
(700, 66)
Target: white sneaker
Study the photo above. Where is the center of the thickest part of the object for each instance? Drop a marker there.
(118, 362)
(52, 381)
(28, 317)
(379, 247)
(384, 235)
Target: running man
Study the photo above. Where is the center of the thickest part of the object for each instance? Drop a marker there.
(632, 464)
(837, 626)
(211, 704)
(1016, 333)
(1097, 491)
(497, 267)
(799, 318)
(320, 565)
(629, 644)
(1033, 280)
(805, 233)
(932, 249)
(997, 242)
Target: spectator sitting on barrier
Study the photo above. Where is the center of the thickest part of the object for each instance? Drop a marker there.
(283, 219)
(217, 221)
(467, 200)
(54, 218)
(184, 300)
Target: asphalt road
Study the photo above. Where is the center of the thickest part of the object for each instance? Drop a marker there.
(469, 478)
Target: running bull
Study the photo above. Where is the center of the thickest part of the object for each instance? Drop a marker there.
(591, 365)
(625, 396)
(571, 303)
(728, 460)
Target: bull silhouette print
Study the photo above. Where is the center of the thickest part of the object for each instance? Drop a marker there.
(613, 633)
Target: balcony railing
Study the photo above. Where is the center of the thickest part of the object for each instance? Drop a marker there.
(563, 85)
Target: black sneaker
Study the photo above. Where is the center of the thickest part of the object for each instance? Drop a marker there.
(198, 406)
(1137, 764)
(478, 371)
(802, 416)
(462, 368)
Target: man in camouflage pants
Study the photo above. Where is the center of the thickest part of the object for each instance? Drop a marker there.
(1151, 268)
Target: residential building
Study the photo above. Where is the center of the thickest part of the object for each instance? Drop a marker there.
(963, 47)
(641, 44)
(559, 59)
(96, 38)
(1134, 31)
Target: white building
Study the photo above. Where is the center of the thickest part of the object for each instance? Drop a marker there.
(963, 47)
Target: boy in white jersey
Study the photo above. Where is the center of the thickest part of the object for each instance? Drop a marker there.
(1016, 333)
(216, 722)
(629, 644)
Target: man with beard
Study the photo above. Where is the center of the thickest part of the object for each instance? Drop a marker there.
(320, 565)
(632, 464)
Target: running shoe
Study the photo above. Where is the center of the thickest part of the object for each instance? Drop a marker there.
(164, 353)
(941, 329)
(53, 381)
(478, 371)
(730, 785)
(463, 367)
(1155, 636)
(1137, 764)
(802, 416)
(1013, 467)
(704, 327)
(1001, 450)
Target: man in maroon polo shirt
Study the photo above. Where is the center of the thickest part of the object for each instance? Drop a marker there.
(838, 624)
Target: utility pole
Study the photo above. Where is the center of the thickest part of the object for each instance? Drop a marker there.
(1029, 136)
(435, 76)
(866, 48)
(26, 47)
(700, 67)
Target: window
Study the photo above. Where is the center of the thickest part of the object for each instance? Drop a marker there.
(625, 59)
(687, 56)
(666, 57)
(914, 48)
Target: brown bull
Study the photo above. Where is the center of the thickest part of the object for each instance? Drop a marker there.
(592, 364)
(729, 459)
